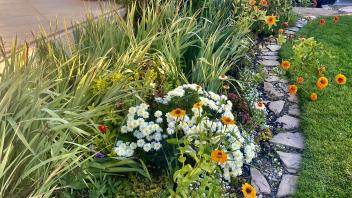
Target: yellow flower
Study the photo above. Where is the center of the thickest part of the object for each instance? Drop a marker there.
(270, 20)
(321, 83)
(285, 65)
(292, 89)
(178, 113)
(198, 105)
(340, 79)
(228, 121)
(313, 97)
(248, 191)
(219, 156)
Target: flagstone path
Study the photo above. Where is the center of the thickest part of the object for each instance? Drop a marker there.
(276, 174)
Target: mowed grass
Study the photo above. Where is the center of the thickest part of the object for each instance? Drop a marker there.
(326, 170)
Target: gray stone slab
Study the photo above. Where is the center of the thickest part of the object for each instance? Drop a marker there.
(259, 182)
(269, 63)
(294, 110)
(273, 48)
(294, 140)
(289, 32)
(289, 122)
(277, 106)
(293, 29)
(269, 53)
(290, 160)
(347, 9)
(275, 57)
(287, 186)
(293, 98)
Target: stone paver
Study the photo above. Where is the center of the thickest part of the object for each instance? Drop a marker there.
(289, 122)
(269, 53)
(314, 11)
(294, 110)
(277, 106)
(259, 182)
(22, 17)
(294, 140)
(290, 160)
(269, 63)
(273, 48)
(347, 9)
(269, 57)
(293, 98)
(287, 186)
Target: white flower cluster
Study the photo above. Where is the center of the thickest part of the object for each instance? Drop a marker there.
(179, 92)
(146, 127)
(147, 133)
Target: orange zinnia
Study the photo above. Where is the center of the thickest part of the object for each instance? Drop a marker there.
(280, 31)
(285, 65)
(300, 80)
(313, 97)
(322, 82)
(227, 120)
(340, 79)
(263, 3)
(336, 19)
(322, 21)
(292, 89)
(270, 20)
(218, 156)
(178, 113)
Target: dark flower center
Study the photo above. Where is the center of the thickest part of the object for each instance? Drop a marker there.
(248, 190)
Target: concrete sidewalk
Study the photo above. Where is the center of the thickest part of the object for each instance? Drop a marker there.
(23, 18)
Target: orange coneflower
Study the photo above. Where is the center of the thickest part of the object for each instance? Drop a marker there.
(292, 89)
(322, 21)
(248, 191)
(270, 20)
(218, 156)
(313, 97)
(336, 19)
(198, 105)
(322, 82)
(263, 3)
(300, 80)
(223, 77)
(340, 79)
(178, 113)
(285, 65)
(259, 105)
(227, 120)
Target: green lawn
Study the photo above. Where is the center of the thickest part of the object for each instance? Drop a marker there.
(327, 124)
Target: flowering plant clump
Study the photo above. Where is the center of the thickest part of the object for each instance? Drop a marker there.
(189, 112)
(309, 74)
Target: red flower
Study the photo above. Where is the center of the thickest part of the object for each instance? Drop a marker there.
(102, 129)
(285, 24)
(336, 19)
(322, 22)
